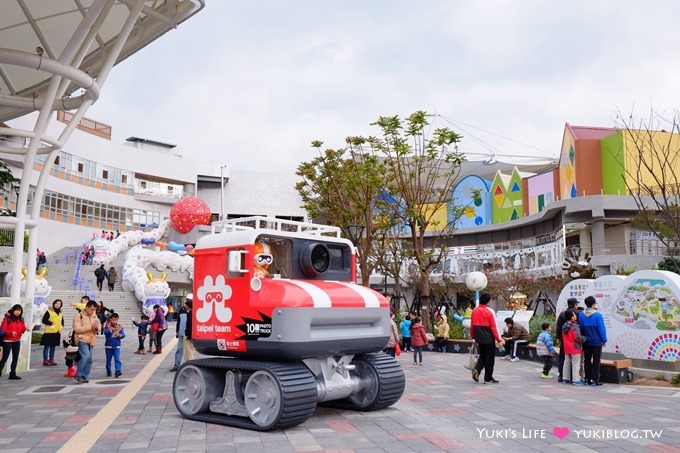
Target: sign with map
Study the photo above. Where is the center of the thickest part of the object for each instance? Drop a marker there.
(641, 312)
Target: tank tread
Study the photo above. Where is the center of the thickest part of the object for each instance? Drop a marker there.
(298, 388)
(391, 383)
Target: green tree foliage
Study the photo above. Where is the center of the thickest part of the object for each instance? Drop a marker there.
(669, 264)
(414, 163)
(6, 181)
(341, 186)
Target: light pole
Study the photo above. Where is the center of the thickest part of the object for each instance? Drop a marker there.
(222, 167)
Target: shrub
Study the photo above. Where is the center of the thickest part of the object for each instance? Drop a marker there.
(669, 264)
(457, 331)
(535, 326)
(36, 337)
(676, 380)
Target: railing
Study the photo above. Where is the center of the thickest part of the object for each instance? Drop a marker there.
(6, 238)
(79, 283)
(639, 247)
(87, 125)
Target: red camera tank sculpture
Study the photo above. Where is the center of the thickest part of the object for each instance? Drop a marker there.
(277, 306)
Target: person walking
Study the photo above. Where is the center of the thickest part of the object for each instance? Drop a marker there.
(183, 334)
(101, 275)
(112, 277)
(114, 332)
(572, 304)
(54, 324)
(14, 327)
(484, 331)
(86, 326)
(593, 328)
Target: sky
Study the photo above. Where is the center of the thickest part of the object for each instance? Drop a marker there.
(251, 83)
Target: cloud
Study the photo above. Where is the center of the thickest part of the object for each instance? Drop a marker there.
(251, 83)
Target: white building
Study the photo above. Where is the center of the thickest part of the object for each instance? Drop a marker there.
(96, 184)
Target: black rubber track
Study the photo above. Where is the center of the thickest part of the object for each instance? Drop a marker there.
(391, 383)
(297, 384)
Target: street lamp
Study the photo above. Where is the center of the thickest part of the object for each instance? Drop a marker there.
(355, 232)
(222, 167)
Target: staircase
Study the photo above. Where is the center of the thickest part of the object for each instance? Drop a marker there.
(60, 277)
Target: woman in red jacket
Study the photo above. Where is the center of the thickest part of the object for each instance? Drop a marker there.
(418, 340)
(14, 327)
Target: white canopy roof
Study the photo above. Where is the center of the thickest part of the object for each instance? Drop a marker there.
(35, 35)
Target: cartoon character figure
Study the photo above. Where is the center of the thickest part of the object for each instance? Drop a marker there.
(263, 259)
(41, 292)
(156, 291)
(101, 250)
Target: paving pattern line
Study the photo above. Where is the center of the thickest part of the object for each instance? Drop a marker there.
(86, 437)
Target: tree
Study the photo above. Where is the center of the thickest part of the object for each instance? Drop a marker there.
(397, 186)
(650, 157)
(7, 179)
(341, 187)
(422, 167)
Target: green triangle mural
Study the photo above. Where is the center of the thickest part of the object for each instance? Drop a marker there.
(514, 216)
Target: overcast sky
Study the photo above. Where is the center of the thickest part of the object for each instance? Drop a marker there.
(250, 83)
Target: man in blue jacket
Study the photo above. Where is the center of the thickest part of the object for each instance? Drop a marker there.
(592, 327)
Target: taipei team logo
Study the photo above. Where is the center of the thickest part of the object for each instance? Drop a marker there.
(214, 296)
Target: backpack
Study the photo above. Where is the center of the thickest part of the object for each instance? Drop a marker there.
(98, 272)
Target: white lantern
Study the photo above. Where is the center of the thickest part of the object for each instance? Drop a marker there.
(476, 281)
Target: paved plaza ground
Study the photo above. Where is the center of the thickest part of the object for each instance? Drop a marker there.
(441, 410)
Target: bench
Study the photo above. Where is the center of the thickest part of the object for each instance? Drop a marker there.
(616, 371)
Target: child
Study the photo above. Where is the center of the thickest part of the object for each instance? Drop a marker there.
(418, 340)
(142, 331)
(71, 357)
(572, 340)
(14, 327)
(114, 332)
(405, 327)
(545, 349)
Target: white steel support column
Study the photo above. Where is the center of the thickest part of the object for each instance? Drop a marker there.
(67, 87)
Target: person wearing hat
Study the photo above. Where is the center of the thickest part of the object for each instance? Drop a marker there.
(185, 349)
(572, 303)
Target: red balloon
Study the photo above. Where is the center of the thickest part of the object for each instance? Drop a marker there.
(188, 212)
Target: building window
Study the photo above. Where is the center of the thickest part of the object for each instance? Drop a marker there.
(123, 179)
(142, 184)
(80, 167)
(56, 161)
(105, 174)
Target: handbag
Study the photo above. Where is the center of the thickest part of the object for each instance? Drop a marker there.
(397, 349)
(472, 358)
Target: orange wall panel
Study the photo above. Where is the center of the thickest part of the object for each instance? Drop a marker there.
(588, 168)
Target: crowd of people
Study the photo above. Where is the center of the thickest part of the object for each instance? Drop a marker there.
(92, 319)
(581, 335)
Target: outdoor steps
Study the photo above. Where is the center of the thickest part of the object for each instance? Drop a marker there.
(122, 302)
